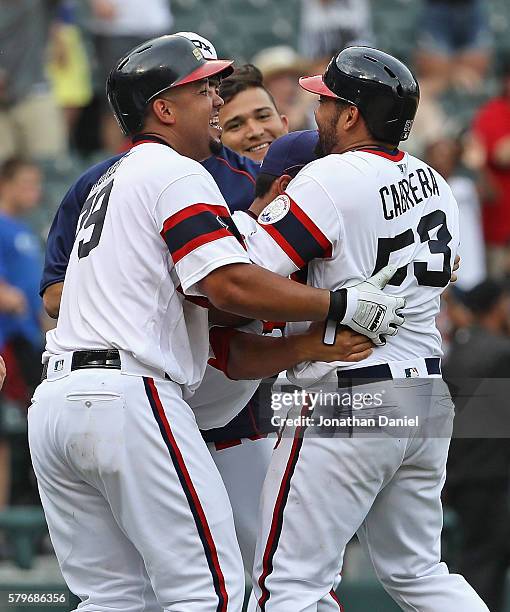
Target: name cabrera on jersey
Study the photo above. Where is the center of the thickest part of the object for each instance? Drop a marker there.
(155, 222)
(349, 215)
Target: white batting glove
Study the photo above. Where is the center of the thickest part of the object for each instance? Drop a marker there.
(367, 309)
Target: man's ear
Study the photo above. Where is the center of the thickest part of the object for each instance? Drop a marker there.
(282, 182)
(351, 117)
(163, 111)
(285, 121)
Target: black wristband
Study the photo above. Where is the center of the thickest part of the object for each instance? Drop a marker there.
(336, 312)
(337, 305)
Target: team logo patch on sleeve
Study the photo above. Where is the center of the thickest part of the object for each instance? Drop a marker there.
(275, 210)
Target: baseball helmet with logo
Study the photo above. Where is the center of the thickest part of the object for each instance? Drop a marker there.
(150, 69)
(381, 86)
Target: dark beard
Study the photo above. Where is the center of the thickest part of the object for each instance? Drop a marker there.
(215, 146)
(327, 140)
(319, 150)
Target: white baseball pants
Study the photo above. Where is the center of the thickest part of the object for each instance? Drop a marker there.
(133, 500)
(384, 485)
(243, 469)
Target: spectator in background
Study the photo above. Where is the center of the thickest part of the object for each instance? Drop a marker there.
(455, 43)
(444, 156)
(12, 300)
(20, 271)
(491, 133)
(452, 316)
(281, 68)
(478, 468)
(249, 119)
(31, 123)
(326, 26)
(430, 123)
(118, 26)
(68, 65)
(329, 25)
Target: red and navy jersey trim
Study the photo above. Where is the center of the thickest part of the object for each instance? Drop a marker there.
(277, 520)
(396, 155)
(198, 300)
(336, 600)
(195, 226)
(219, 339)
(300, 276)
(299, 237)
(197, 511)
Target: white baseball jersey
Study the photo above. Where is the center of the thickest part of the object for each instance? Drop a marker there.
(347, 216)
(161, 216)
(219, 399)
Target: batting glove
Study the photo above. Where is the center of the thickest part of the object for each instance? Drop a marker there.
(365, 308)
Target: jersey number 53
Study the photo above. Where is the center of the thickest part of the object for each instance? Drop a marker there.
(424, 276)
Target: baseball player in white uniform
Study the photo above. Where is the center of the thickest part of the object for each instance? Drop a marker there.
(381, 478)
(131, 495)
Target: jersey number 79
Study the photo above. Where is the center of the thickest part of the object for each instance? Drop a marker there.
(93, 215)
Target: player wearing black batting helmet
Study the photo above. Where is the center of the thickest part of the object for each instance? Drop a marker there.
(148, 70)
(381, 86)
(370, 204)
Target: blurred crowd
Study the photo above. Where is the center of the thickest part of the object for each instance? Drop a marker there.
(55, 57)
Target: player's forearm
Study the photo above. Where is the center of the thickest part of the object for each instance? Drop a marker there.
(51, 299)
(252, 356)
(251, 291)
(226, 319)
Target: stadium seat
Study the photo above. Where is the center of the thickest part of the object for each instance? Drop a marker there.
(23, 525)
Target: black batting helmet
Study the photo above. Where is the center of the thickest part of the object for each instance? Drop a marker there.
(381, 86)
(151, 68)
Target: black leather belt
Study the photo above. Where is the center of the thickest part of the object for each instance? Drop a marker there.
(380, 372)
(83, 360)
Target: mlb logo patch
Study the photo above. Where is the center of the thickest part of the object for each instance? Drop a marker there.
(412, 373)
(59, 365)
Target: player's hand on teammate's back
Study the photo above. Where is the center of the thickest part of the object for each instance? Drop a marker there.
(372, 312)
(456, 266)
(349, 345)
